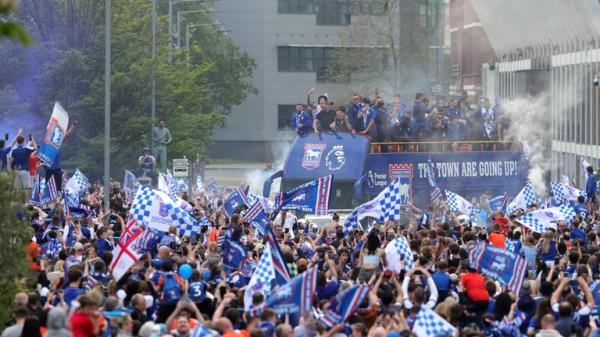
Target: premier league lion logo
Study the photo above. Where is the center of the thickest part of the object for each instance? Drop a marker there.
(336, 158)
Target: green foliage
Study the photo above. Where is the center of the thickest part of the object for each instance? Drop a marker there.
(12, 30)
(194, 93)
(14, 237)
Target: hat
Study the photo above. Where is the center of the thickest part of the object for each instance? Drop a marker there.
(146, 149)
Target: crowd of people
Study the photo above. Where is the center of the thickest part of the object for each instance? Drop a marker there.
(396, 121)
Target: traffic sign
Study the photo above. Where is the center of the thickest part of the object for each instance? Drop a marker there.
(181, 168)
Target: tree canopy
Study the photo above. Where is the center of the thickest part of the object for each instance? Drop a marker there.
(194, 93)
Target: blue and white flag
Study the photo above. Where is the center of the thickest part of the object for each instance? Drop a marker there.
(257, 218)
(262, 278)
(130, 184)
(562, 193)
(499, 264)
(202, 331)
(235, 199)
(265, 202)
(539, 220)
(431, 174)
(34, 199)
(55, 134)
(456, 203)
(430, 324)
(51, 187)
(595, 289)
(499, 202)
(212, 185)
(344, 304)
(386, 206)
(77, 183)
(396, 251)
(527, 196)
(294, 297)
(311, 197)
(199, 184)
(568, 213)
(233, 253)
(282, 274)
(155, 209)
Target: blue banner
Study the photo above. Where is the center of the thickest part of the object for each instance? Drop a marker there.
(319, 154)
(499, 264)
(296, 296)
(311, 197)
(235, 199)
(468, 174)
(55, 134)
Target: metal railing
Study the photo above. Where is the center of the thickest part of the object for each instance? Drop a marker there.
(446, 146)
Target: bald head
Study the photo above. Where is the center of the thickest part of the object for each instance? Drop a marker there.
(224, 325)
(379, 332)
(164, 252)
(21, 299)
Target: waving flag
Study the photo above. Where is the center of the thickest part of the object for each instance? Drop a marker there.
(456, 203)
(77, 183)
(294, 297)
(498, 203)
(387, 205)
(499, 264)
(539, 220)
(431, 174)
(282, 275)
(235, 199)
(55, 134)
(51, 186)
(344, 304)
(233, 253)
(526, 197)
(35, 193)
(125, 254)
(257, 218)
(130, 184)
(562, 193)
(212, 185)
(311, 197)
(265, 202)
(430, 324)
(155, 209)
(399, 250)
(262, 278)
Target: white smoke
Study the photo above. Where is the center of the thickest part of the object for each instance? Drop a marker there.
(530, 123)
(256, 178)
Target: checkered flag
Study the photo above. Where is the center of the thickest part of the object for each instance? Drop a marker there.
(391, 201)
(262, 277)
(563, 193)
(568, 212)
(399, 250)
(526, 197)
(456, 203)
(532, 222)
(77, 183)
(430, 324)
(155, 209)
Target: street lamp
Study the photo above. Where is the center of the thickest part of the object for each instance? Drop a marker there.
(107, 56)
(171, 4)
(180, 14)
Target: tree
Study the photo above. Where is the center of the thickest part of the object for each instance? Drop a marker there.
(14, 237)
(388, 50)
(10, 29)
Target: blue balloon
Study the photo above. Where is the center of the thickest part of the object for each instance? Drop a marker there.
(185, 271)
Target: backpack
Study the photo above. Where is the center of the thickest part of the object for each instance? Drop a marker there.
(171, 290)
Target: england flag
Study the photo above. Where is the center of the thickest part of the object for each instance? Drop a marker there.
(124, 253)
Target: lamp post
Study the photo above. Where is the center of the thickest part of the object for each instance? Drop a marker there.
(171, 4)
(153, 104)
(107, 56)
(180, 14)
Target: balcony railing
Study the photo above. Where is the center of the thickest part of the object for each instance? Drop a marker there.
(464, 146)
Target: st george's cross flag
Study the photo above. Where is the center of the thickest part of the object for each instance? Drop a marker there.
(124, 253)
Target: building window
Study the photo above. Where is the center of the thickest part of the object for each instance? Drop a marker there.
(333, 12)
(285, 113)
(296, 7)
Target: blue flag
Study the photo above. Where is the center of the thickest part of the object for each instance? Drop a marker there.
(211, 185)
(257, 218)
(344, 304)
(311, 197)
(499, 264)
(233, 253)
(282, 275)
(296, 296)
(499, 202)
(235, 199)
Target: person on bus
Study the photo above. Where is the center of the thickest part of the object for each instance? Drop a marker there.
(302, 120)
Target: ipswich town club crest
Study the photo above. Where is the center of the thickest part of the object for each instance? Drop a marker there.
(312, 156)
(405, 173)
(54, 134)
